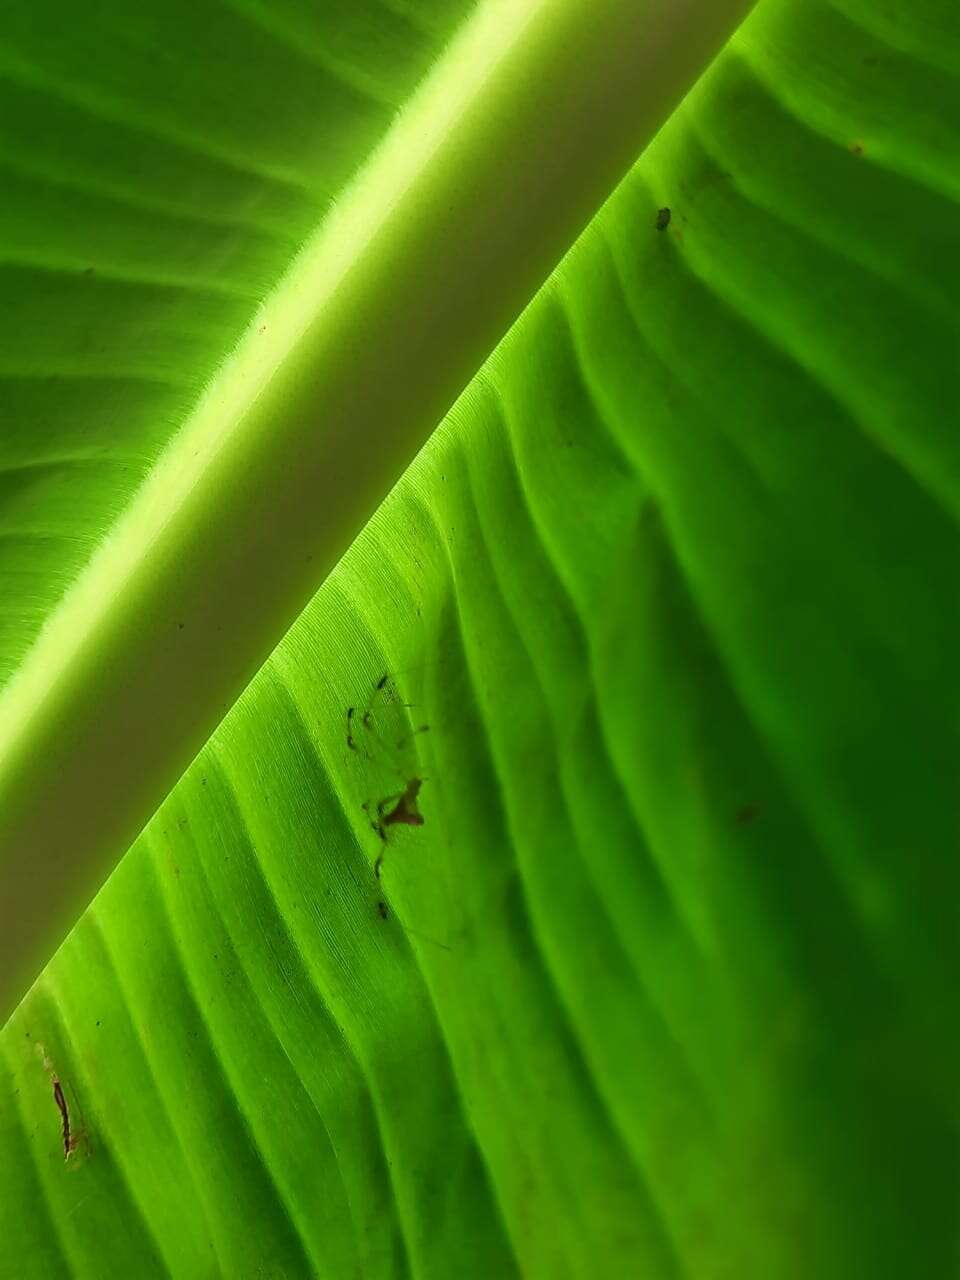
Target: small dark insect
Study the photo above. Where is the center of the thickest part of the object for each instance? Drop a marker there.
(663, 219)
(378, 688)
(399, 810)
(381, 733)
(382, 909)
(384, 694)
(58, 1096)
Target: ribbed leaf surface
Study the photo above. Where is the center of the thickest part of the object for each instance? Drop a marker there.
(664, 984)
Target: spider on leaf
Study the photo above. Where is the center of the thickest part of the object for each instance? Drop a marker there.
(381, 733)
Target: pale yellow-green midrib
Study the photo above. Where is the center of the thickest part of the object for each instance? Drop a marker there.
(404, 289)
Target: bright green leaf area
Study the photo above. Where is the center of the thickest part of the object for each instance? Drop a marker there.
(311, 418)
(665, 983)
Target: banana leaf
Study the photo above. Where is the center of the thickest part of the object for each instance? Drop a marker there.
(562, 879)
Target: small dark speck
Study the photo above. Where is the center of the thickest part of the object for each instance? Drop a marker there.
(856, 148)
(180, 626)
(746, 813)
(98, 1022)
(663, 219)
(382, 908)
(88, 271)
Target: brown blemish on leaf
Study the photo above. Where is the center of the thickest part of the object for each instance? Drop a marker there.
(398, 810)
(405, 811)
(663, 219)
(60, 1100)
(73, 1135)
(746, 813)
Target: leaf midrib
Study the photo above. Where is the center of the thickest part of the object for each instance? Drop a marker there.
(379, 324)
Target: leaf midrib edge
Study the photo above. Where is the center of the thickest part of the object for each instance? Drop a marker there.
(524, 127)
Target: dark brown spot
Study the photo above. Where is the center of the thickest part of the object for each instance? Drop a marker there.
(61, 1101)
(746, 813)
(663, 219)
(404, 812)
(396, 811)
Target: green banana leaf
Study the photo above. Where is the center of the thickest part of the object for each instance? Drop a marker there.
(574, 889)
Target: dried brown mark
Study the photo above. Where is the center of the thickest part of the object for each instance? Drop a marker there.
(69, 1141)
(398, 810)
